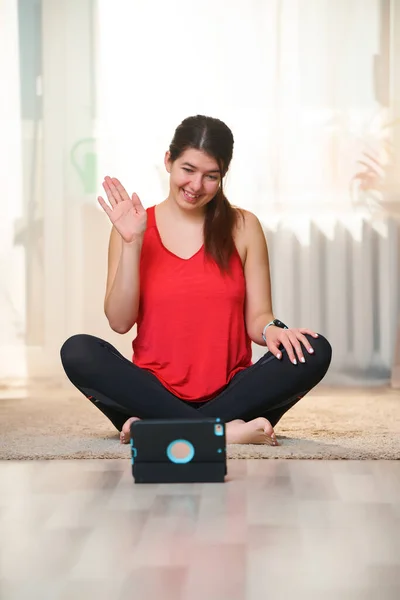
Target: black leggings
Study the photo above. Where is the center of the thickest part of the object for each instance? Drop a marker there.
(121, 390)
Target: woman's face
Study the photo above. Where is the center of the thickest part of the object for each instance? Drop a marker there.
(194, 178)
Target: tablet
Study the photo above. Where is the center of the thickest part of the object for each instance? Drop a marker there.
(178, 450)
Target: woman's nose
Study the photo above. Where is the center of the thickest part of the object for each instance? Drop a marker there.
(196, 183)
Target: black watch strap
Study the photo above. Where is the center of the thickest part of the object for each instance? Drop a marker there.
(279, 323)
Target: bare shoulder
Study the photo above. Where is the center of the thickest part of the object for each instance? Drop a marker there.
(248, 231)
(247, 223)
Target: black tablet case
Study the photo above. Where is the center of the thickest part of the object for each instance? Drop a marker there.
(153, 439)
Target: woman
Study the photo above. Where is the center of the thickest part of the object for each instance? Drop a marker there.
(193, 273)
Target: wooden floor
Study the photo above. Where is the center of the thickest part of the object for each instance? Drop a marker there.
(72, 530)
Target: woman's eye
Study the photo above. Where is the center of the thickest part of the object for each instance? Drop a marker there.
(211, 177)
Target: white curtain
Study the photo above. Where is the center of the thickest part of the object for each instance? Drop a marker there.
(12, 264)
(294, 79)
(303, 85)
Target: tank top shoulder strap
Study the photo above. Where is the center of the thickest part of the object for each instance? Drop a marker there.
(151, 219)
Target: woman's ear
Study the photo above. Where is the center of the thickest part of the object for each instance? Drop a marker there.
(167, 161)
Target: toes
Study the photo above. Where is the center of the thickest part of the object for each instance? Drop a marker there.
(273, 438)
(265, 425)
(123, 438)
(125, 434)
(270, 434)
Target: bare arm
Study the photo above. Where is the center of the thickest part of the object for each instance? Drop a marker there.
(129, 219)
(121, 302)
(258, 310)
(258, 298)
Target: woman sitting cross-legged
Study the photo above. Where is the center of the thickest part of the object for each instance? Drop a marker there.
(193, 273)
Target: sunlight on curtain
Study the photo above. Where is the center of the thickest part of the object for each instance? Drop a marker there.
(293, 79)
(296, 81)
(12, 274)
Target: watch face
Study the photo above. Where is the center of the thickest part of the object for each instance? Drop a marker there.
(278, 323)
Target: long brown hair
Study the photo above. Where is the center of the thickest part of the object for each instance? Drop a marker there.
(213, 137)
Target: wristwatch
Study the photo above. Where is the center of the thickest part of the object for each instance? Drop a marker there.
(275, 322)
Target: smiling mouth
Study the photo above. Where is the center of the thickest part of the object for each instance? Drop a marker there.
(190, 196)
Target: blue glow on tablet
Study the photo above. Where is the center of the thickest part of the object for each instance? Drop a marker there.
(185, 459)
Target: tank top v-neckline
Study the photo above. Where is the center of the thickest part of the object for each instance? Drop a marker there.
(153, 222)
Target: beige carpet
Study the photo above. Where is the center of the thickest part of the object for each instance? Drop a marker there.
(57, 423)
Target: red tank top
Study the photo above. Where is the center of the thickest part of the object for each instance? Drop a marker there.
(190, 329)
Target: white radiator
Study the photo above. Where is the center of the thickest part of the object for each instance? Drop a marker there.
(340, 277)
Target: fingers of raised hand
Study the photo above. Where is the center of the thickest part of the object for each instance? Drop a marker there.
(104, 205)
(120, 190)
(109, 191)
(112, 191)
(137, 204)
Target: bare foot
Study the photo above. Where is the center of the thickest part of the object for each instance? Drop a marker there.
(257, 431)
(125, 435)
